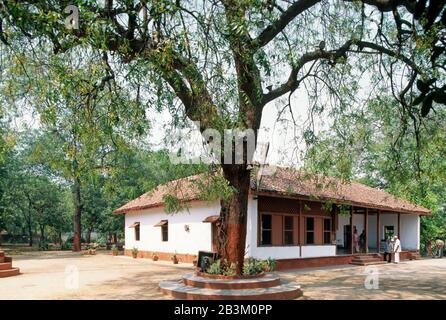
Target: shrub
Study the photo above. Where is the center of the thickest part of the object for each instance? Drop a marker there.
(270, 264)
(66, 245)
(43, 246)
(215, 268)
(221, 268)
(253, 266)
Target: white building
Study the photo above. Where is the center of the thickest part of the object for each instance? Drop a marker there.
(296, 220)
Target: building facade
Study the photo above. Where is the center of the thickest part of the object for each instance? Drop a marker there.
(297, 229)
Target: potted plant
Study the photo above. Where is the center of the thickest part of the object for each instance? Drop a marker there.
(91, 249)
(135, 252)
(115, 250)
(155, 256)
(174, 258)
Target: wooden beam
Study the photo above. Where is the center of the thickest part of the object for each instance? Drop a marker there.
(299, 226)
(351, 229)
(366, 228)
(378, 240)
(399, 226)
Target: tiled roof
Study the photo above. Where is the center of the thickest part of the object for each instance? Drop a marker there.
(290, 183)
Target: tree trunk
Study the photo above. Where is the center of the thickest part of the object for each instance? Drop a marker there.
(232, 232)
(77, 215)
(42, 234)
(59, 236)
(88, 240)
(30, 233)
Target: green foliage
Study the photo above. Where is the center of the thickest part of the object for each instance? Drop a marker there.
(215, 268)
(404, 158)
(253, 266)
(220, 267)
(270, 264)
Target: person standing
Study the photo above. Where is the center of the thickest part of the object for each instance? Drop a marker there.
(388, 251)
(397, 249)
(362, 241)
(440, 246)
(355, 240)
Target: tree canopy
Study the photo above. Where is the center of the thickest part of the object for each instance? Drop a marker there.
(219, 63)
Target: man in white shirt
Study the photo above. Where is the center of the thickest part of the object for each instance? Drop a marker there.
(397, 249)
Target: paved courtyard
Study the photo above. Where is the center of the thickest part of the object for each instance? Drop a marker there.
(66, 275)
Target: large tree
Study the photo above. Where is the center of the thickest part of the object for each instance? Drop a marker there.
(225, 60)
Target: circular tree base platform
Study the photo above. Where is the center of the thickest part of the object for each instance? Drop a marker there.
(195, 287)
(6, 269)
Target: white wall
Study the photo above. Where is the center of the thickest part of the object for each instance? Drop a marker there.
(388, 219)
(318, 251)
(179, 240)
(410, 237)
(358, 222)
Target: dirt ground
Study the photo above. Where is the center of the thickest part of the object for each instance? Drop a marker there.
(66, 275)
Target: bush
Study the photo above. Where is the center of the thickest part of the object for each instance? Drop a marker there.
(269, 264)
(215, 268)
(66, 245)
(43, 246)
(253, 266)
(221, 268)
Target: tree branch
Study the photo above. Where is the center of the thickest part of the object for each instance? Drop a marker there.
(270, 32)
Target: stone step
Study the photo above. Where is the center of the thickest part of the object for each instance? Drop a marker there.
(267, 281)
(368, 263)
(5, 265)
(177, 289)
(9, 272)
(365, 258)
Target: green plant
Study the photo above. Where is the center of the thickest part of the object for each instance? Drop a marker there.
(43, 246)
(222, 268)
(65, 245)
(269, 264)
(230, 270)
(215, 268)
(135, 251)
(114, 249)
(253, 266)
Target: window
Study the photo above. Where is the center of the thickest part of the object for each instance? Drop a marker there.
(165, 232)
(266, 229)
(137, 232)
(327, 231)
(389, 231)
(288, 230)
(309, 230)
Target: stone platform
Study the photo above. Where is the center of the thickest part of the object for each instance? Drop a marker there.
(195, 287)
(6, 269)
